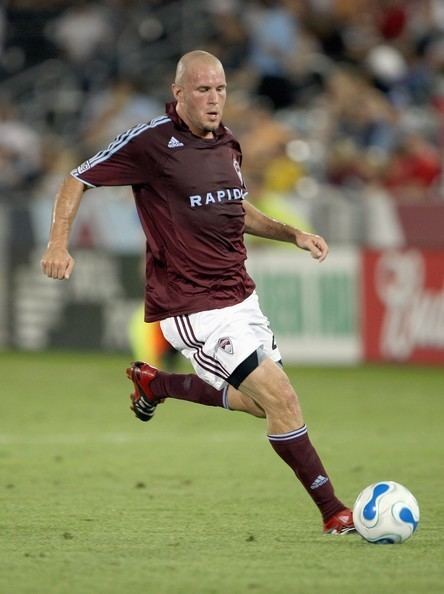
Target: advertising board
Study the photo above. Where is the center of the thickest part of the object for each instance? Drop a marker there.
(403, 305)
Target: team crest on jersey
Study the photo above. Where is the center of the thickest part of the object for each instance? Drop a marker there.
(237, 169)
(226, 345)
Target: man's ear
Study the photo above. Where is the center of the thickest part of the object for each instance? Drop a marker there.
(177, 91)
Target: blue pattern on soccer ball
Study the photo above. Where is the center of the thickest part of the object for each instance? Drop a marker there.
(369, 511)
(407, 517)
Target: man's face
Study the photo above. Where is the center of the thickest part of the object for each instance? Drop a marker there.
(201, 97)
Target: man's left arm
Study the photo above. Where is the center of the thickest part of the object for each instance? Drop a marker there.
(257, 223)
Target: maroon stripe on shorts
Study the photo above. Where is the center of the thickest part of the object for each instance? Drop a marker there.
(204, 360)
(190, 333)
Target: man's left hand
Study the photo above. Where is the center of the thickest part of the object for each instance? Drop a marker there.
(315, 244)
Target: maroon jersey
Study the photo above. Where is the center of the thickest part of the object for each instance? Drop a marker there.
(189, 194)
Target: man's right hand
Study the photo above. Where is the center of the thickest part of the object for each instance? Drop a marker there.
(57, 262)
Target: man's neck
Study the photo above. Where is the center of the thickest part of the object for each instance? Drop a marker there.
(204, 134)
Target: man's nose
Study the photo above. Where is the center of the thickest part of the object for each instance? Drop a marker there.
(212, 96)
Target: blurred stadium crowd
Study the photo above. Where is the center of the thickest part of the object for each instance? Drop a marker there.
(335, 102)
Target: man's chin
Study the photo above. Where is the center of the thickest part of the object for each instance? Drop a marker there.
(211, 127)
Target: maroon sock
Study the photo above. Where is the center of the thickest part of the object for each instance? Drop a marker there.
(187, 387)
(297, 451)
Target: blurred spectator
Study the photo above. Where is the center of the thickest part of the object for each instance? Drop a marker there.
(361, 129)
(327, 29)
(84, 34)
(359, 111)
(20, 150)
(261, 135)
(56, 160)
(115, 109)
(229, 38)
(413, 169)
(392, 18)
(26, 41)
(386, 66)
(273, 34)
(82, 31)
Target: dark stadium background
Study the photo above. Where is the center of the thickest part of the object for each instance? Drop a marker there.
(339, 107)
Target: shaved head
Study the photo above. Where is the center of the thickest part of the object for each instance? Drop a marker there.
(195, 59)
(200, 91)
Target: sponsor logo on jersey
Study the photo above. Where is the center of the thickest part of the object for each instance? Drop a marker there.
(226, 345)
(217, 196)
(174, 143)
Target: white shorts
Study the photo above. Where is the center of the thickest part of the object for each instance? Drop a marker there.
(217, 341)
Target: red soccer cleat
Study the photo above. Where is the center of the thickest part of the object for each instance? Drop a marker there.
(143, 401)
(340, 523)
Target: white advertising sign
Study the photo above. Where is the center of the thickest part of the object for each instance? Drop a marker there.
(313, 307)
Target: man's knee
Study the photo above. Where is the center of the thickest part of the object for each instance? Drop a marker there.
(283, 398)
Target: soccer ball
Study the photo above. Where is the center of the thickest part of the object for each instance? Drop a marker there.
(386, 513)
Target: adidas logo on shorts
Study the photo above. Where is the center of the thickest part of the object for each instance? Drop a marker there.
(174, 143)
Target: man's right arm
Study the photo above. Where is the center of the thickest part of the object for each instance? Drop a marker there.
(56, 261)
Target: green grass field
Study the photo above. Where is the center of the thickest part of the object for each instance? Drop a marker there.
(196, 502)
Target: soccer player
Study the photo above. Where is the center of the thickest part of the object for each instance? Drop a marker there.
(185, 171)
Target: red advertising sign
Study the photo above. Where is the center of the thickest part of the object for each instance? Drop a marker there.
(403, 305)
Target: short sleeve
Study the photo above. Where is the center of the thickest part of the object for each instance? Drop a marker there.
(123, 163)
